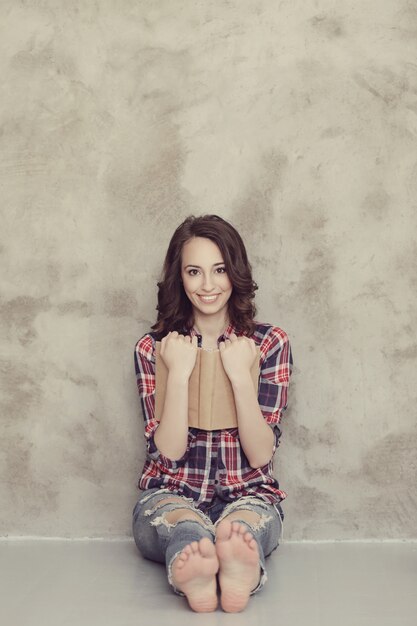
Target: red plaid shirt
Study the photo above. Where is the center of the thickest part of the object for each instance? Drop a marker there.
(214, 462)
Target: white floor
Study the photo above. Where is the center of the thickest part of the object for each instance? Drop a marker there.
(88, 583)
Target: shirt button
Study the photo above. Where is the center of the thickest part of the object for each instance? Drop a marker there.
(216, 482)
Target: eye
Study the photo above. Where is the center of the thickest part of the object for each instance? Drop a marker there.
(221, 270)
(191, 272)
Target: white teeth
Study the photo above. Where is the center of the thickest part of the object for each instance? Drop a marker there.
(208, 298)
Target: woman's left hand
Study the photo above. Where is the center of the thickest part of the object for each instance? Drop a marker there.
(237, 355)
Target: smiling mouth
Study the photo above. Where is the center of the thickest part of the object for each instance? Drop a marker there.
(209, 298)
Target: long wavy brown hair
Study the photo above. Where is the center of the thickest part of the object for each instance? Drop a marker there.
(175, 311)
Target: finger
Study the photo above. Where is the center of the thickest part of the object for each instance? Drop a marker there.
(221, 346)
(194, 341)
(167, 337)
(233, 336)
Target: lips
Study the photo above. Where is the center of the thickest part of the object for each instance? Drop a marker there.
(208, 299)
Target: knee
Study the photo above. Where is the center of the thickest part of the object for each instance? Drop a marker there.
(178, 510)
(171, 510)
(250, 517)
(160, 504)
(180, 515)
(144, 514)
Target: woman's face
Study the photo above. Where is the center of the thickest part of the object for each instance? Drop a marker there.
(204, 276)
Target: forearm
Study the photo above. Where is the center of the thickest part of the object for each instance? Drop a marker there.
(171, 435)
(256, 437)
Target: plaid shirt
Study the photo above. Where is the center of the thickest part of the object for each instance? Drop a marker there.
(214, 462)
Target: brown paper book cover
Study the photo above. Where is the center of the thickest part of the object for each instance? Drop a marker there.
(211, 403)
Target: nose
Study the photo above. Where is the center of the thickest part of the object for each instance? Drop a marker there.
(207, 283)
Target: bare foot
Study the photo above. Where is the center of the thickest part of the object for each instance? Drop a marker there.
(194, 573)
(239, 565)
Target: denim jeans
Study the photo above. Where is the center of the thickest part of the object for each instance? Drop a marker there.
(159, 540)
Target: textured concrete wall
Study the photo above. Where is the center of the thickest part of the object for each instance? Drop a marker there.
(295, 120)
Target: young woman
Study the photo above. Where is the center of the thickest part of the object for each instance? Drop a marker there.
(210, 503)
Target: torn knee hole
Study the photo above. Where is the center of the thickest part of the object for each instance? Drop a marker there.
(161, 503)
(170, 519)
(242, 513)
(261, 522)
(255, 521)
(182, 514)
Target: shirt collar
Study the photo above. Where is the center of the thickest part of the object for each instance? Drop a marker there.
(226, 333)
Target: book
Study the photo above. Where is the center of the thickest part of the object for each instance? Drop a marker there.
(211, 404)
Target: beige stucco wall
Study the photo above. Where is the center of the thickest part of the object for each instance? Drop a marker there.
(295, 120)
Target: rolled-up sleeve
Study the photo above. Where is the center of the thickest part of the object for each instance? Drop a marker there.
(144, 357)
(275, 373)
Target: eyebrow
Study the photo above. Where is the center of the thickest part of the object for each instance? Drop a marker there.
(198, 267)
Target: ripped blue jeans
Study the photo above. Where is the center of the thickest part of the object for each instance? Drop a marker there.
(159, 540)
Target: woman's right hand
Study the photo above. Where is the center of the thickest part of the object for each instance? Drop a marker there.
(179, 353)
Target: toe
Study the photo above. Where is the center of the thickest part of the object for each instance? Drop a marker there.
(239, 529)
(207, 549)
(223, 531)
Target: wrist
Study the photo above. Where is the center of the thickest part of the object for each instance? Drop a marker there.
(178, 378)
(241, 380)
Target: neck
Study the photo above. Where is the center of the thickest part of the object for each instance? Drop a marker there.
(211, 326)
